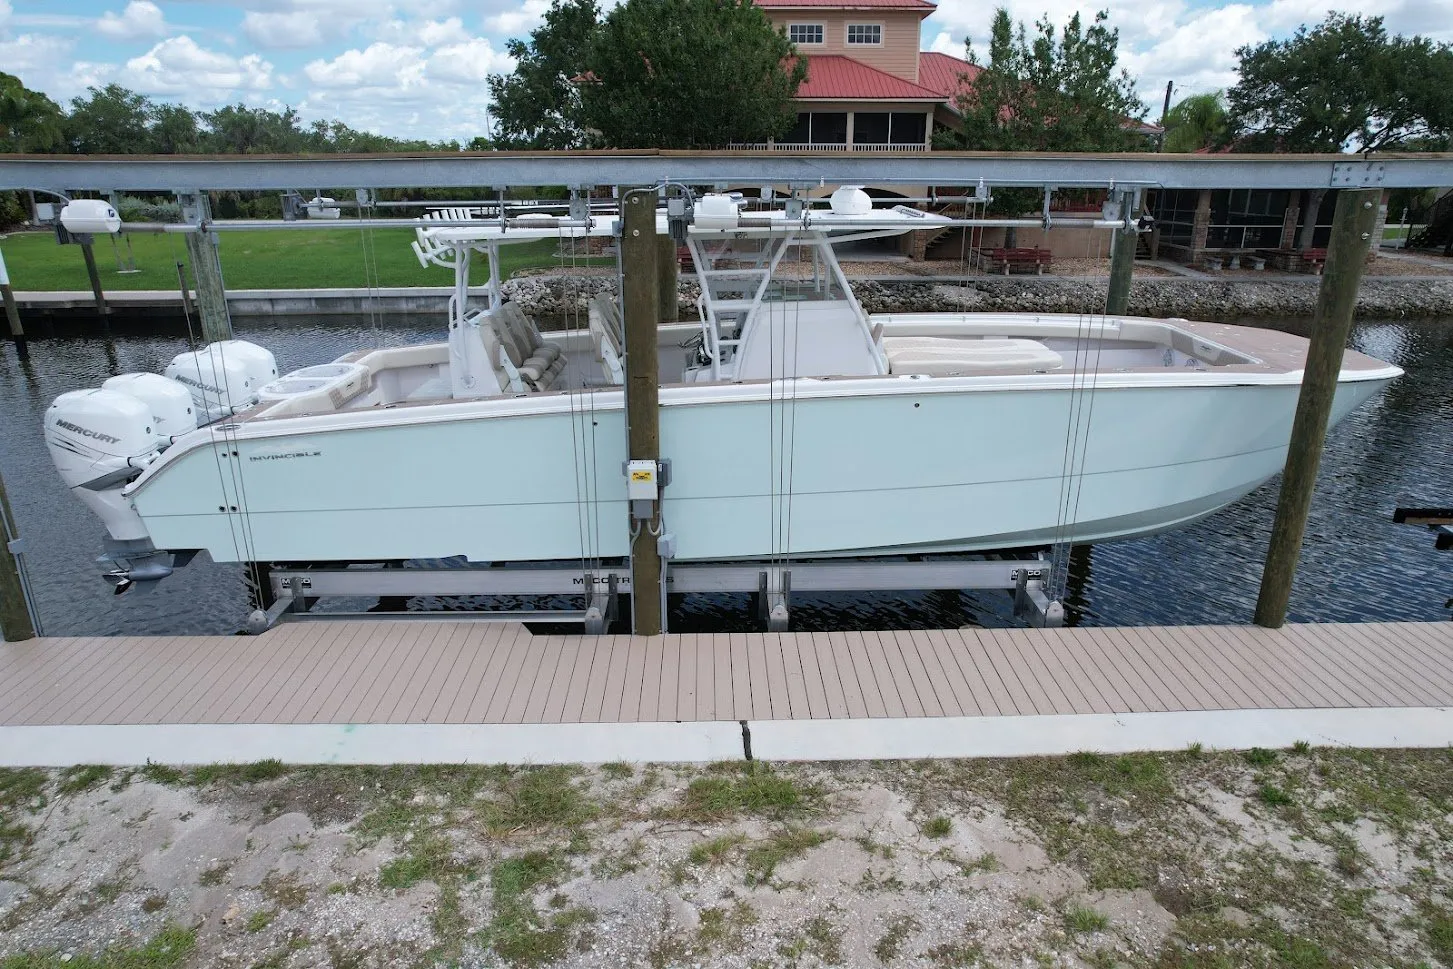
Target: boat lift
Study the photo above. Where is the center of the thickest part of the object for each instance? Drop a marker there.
(294, 591)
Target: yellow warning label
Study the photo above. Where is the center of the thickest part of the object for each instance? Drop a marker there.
(641, 476)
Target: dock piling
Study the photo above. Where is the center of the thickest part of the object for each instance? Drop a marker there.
(12, 312)
(1352, 225)
(641, 304)
(206, 270)
(89, 253)
(1122, 258)
(667, 272)
(16, 622)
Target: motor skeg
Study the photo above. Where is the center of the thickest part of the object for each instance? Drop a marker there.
(223, 377)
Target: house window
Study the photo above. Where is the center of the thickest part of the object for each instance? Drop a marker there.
(818, 128)
(865, 33)
(909, 128)
(805, 33)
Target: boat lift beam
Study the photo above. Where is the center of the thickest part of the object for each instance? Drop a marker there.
(296, 590)
(173, 173)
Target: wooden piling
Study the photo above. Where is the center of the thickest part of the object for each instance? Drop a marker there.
(211, 296)
(1122, 261)
(16, 623)
(12, 312)
(90, 256)
(1352, 225)
(641, 305)
(667, 274)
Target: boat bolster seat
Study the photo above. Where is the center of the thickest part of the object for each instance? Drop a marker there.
(605, 337)
(948, 357)
(526, 335)
(522, 372)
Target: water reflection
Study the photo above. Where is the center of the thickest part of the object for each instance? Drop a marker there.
(1356, 565)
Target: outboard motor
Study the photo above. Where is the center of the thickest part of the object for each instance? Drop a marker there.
(223, 377)
(100, 440)
(172, 410)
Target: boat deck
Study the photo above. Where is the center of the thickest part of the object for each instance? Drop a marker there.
(809, 694)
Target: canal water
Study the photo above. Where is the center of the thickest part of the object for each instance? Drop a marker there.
(1356, 565)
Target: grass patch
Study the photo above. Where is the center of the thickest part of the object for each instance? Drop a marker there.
(260, 920)
(981, 865)
(214, 874)
(255, 773)
(429, 857)
(748, 787)
(520, 934)
(1272, 795)
(259, 259)
(75, 780)
(890, 943)
(540, 797)
(162, 774)
(1435, 925)
(617, 770)
(715, 851)
(166, 950)
(1259, 757)
(1081, 920)
(956, 955)
(1302, 748)
(725, 927)
(763, 857)
(22, 791)
(819, 938)
(938, 827)
(285, 890)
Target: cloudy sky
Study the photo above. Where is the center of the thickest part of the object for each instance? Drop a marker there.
(416, 69)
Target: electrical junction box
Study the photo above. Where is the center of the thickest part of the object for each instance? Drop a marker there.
(642, 487)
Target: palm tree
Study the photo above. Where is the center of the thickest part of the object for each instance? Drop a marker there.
(1197, 122)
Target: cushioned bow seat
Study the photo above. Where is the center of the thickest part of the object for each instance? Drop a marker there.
(945, 357)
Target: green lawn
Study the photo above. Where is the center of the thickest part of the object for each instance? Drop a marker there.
(257, 259)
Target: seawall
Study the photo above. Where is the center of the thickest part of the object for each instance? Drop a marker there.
(560, 297)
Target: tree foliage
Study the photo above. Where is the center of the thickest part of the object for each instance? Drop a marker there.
(538, 106)
(29, 121)
(114, 120)
(1052, 90)
(1343, 83)
(1197, 122)
(652, 73)
(690, 74)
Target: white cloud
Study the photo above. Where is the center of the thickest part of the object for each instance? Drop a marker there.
(424, 33)
(946, 43)
(518, 21)
(141, 18)
(292, 30)
(179, 66)
(379, 66)
(5, 11)
(1198, 55)
(468, 63)
(29, 54)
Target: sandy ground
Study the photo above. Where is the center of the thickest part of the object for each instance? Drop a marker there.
(1307, 858)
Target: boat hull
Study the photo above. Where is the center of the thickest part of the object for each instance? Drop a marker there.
(807, 468)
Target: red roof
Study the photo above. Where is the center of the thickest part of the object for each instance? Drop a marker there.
(850, 4)
(833, 77)
(942, 73)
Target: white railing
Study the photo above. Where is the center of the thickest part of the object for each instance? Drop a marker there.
(800, 147)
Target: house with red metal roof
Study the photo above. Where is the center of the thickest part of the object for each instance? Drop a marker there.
(868, 87)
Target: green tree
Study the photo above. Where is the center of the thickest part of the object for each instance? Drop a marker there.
(173, 130)
(1196, 122)
(1342, 84)
(690, 74)
(239, 130)
(1052, 91)
(109, 121)
(538, 105)
(29, 121)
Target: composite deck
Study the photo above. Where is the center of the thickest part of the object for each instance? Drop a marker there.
(393, 672)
